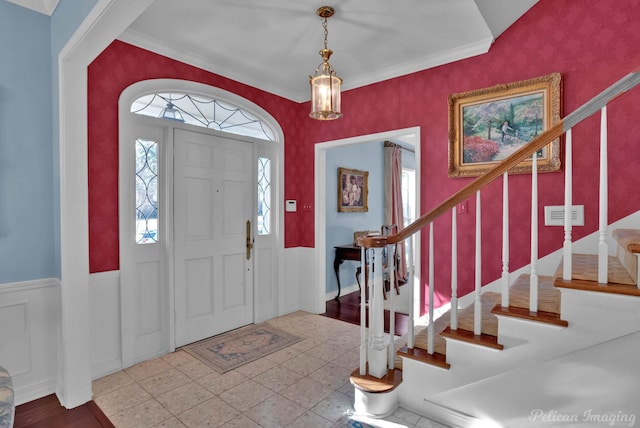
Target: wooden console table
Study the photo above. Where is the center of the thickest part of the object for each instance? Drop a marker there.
(351, 252)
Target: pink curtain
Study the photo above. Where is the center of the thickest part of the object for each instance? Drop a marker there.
(393, 196)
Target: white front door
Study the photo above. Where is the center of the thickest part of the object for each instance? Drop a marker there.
(213, 203)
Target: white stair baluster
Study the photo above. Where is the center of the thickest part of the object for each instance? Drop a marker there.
(603, 249)
(378, 344)
(391, 266)
(454, 270)
(430, 329)
(638, 270)
(363, 311)
(477, 313)
(505, 241)
(533, 279)
(409, 285)
(567, 256)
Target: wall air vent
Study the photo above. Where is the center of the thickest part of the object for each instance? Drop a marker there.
(554, 215)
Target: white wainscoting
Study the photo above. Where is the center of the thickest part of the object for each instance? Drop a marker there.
(104, 307)
(300, 280)
(30, 320)
(30, 333)
(290, 295)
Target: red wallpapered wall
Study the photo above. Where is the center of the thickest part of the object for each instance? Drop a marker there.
(592, 43)
(118, 67)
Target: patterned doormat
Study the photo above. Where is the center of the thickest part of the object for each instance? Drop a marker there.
(231, 350)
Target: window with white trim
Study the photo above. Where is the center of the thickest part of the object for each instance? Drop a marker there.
(408, 195)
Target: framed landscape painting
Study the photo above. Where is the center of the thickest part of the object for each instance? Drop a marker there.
(488, 125)
(353, 190)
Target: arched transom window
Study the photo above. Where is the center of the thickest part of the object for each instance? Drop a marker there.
(203, 111)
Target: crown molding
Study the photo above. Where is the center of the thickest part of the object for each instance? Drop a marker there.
(46, 7)
(423, 63)
(466, 51)
(162, 48)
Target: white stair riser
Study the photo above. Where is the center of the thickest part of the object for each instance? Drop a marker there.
(592, 319)
(629, 260)
(601, 311)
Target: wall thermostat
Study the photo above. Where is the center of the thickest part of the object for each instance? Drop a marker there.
(290, 205)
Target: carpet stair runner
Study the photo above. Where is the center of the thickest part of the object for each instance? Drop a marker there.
(622, 279)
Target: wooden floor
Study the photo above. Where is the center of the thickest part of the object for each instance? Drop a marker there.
(347, 309)
(47, 412)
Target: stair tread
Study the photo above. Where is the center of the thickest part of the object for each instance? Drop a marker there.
(465, 322)
(585, 276)
(576, 284)
(436, 359)
(548, 295)
(489, 321)
(469, 336)
(524, 313)
(548, 301)
(628, 238)
(585, 268)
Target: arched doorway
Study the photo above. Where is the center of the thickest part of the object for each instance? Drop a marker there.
(200, 228)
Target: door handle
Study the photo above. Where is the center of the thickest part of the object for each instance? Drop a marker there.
(249, 243)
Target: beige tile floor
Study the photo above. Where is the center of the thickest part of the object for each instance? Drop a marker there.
(304, 385)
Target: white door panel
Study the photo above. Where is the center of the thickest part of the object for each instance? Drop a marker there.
(213, 200)
(144, 296)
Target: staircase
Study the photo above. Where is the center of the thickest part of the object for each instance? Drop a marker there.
(572, 315)
(532, 323)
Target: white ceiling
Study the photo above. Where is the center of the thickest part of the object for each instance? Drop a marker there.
(274, 44)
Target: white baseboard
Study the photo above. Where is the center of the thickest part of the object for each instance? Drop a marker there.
(26, 393)
(343, 291)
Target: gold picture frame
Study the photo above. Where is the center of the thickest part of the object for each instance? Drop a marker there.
(487, 125)
(353, 190)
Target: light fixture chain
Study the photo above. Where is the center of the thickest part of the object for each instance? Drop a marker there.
(326, 32)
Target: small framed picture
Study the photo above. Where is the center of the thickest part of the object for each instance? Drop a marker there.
(353, 190)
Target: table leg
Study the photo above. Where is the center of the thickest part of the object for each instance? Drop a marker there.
(336, 268)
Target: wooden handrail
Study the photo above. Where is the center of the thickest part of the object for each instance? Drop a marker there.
(628, 82)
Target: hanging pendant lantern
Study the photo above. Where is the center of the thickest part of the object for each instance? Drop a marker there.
(325, 84)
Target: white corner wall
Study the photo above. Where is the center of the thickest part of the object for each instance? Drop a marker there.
(30, 320)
